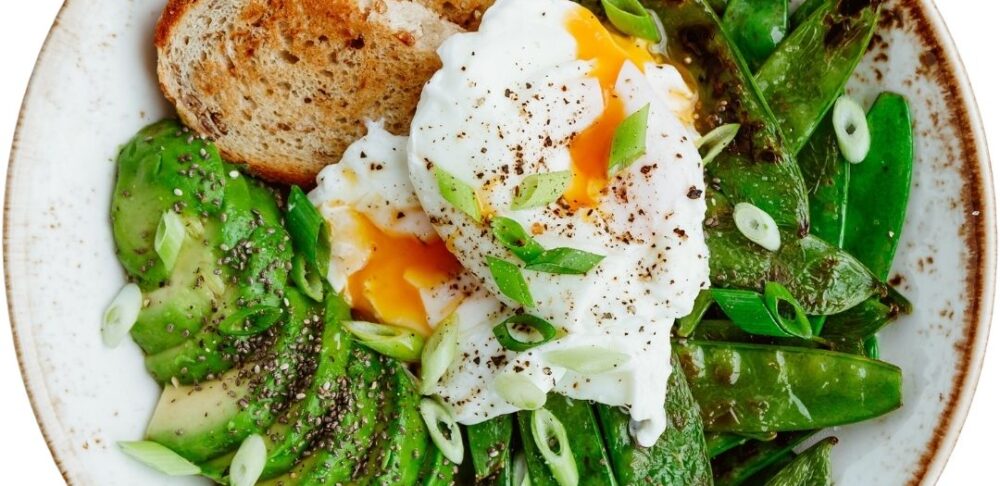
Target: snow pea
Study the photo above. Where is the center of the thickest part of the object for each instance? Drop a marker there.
(748, 388)
(812, 467)
(867, 318)
(756, 26)
(755, 168)
(805, 10)
(719, 443)
(827, 176)
(824, 279)
(755, 458)
(679, 457)
(489, 445)
(807, 72)
(584, 432)
(875, 217)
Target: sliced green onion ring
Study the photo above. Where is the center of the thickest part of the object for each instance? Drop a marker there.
(757, 226)
(392, 341)
(549, 436)
(779, 301)
(308, 230)
(521, 477)
(510, 281)
(519, 391)
(629, 140)
(714, 142)
(588, 359)
(458, 194)
(522, 332)
(438, 354)
(660, 48)
(512, 236)
(565, 261)
(250, 321)
(630, 17)
(159, 457)
(306, 279)
(851, 126)
(121, 315)
(746, 309)
(538, 190)
(170, 236)
(249, 462)
(443, 429)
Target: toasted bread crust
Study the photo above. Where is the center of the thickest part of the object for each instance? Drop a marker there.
(285, 85)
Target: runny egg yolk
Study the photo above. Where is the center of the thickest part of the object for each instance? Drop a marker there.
(590, 149)
(388, 287)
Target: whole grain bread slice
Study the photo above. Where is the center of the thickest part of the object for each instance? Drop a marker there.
(285, 86)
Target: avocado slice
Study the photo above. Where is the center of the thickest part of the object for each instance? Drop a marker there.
(342, 450)
(236, 253)
(200, 426)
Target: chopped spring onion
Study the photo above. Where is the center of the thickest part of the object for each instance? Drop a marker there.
(170, 235)
(458, 193)
(159, 457)
(307, 279)
(549, 436)
(308, 231)
(121, 315)
(687, 324)
(714, 142)
(443, 429)
(392, 341)
(521, 477)
(631, 18)
(660, 48)
(512, 236)
(538, 190)
(851, 126)
(439, 352)
(565, 261)
(518, 390)
(587, 360)
(522, 332)
(250, 321)
(787, 311)
(757, 226)
(249, 462)
(629, 140)
(510, 281)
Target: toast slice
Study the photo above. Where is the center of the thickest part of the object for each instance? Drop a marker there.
(285, 86)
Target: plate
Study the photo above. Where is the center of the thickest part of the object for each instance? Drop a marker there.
(94, 87)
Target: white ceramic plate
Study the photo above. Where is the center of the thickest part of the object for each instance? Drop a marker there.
(94, 87)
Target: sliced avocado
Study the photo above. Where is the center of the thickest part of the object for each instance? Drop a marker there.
(265, 387)
(236, 253)
(351, 427)
(398, 452)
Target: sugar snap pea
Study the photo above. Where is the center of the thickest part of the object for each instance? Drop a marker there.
(739, 465)
(811, 468)
(875, 217)
(756, 26)
(758, 388)
(802, 13)
(755, 168)
(679, 457)
(719, 443)
(584, 433)
(827, 176)
(805, 75)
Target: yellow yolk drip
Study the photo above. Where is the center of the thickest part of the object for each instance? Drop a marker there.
(591, 148)
(388, 287)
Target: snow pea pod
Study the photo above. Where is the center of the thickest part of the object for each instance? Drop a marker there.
(679, 457)
(756, 26)
(750, 460)
(719, 443)
(756, 167)
(824, 279)
(805, 10)
(827, 176)
(803, 78)
(867, 318)
(584, 432)
(748, 388)
(880, 186)
(812, 467)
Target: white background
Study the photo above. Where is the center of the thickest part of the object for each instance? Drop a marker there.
(24, 24)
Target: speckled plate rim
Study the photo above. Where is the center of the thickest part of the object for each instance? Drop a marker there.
(978, 199)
